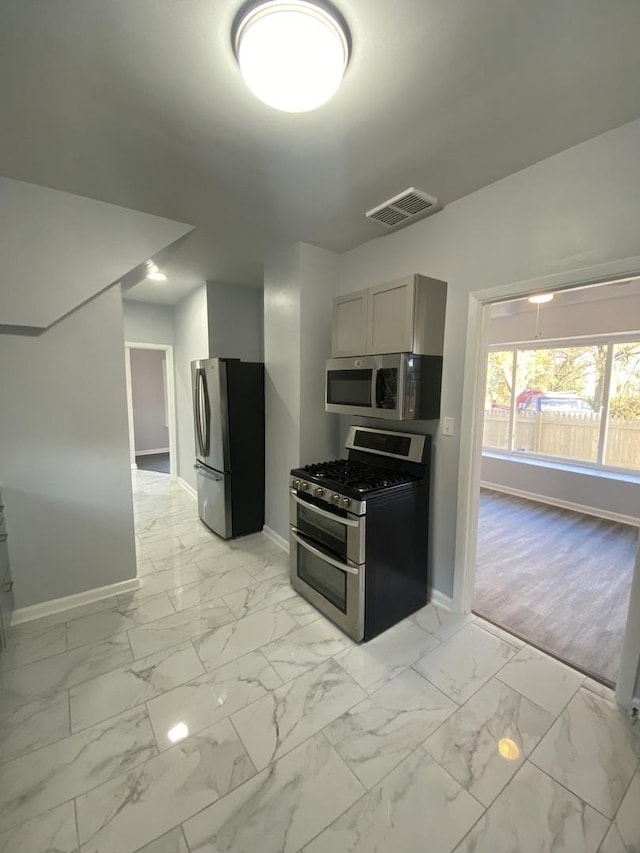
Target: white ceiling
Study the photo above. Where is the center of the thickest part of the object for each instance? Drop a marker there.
(141, 104)
(625, 289)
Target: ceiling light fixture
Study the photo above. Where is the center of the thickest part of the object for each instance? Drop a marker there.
(541, 298)
(153, 272)
(292, 55)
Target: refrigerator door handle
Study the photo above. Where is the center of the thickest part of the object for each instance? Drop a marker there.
(202, 397)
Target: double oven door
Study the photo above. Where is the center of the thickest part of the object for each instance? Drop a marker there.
(328, 561)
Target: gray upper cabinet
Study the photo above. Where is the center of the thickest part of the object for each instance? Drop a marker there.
(405, 315)
(349, 327)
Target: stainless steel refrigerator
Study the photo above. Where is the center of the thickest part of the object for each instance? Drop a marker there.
(228, 414)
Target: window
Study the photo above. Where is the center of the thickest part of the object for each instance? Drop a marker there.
(622, 445)
(575, 402)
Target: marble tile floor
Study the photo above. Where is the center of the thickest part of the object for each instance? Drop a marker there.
(215, 710)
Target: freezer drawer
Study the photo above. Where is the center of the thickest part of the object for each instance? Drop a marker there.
(214, 500)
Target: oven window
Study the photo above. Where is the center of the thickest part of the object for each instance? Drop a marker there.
(328, 581)
(349, 387)
(333, 534)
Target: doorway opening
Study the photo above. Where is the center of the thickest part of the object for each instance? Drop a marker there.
(556, 536)
(150, 399)
(550, 470)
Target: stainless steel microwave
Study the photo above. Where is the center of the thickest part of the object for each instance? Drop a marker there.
(399, 387)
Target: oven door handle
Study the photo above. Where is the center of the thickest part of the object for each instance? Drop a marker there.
(344, 567)
(340, 519)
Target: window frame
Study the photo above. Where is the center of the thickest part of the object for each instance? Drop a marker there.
(558, 343)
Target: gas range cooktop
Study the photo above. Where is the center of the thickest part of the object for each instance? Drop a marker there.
(357, 479)
(380, 463)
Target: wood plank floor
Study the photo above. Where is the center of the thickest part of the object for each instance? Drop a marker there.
(559, 579)
(158, 462)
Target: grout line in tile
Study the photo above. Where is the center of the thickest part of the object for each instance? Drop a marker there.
(75, 812)
(184, 836)
(566, 788)
(70, 727)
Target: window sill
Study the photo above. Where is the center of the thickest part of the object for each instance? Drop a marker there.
(574, 468)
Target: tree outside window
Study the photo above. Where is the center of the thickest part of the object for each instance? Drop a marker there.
(579, 403)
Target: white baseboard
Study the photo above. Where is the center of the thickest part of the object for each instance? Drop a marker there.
(543, 499)
(440, 599)
(189, 489)
(275, 537)
(152, 452)
(58, 605)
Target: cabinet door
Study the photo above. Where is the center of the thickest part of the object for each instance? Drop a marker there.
(349, 329)
(390, 316)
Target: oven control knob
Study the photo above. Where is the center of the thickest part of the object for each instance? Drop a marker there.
(335, 499)
(346, 502)
(319, 492)
(304, 487)
(295, 484)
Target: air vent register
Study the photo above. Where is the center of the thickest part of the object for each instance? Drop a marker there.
(406, 207)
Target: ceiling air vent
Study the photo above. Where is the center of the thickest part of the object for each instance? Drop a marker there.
(403, 208)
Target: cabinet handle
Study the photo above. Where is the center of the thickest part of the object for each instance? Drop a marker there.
(3, 537)
(8, 587)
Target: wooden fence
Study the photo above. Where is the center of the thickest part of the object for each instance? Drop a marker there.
(570, 436)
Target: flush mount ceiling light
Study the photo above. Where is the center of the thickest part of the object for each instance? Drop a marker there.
(292, 55)
(153, 272)
(541, 298)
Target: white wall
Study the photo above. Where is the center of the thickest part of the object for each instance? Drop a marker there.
(148, 394)
(64, 455)
(145, 323)
(236, 321)
(540, 221)
(597, 493)
(190, 342)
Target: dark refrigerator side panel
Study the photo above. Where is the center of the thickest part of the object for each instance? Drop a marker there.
(245, 393)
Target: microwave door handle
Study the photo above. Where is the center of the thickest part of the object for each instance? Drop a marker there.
(375, 382)
(323, 512)
(378, 388)
(344, 567)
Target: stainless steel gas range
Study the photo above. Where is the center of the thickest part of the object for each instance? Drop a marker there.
(358, 530)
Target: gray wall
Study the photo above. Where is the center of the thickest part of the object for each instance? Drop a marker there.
(282, 382)
(297, 284)
(64, 455)
(190, 341)
(236, 323)
(148, 393)
(540, 221)
(145, 323)
(537, 222)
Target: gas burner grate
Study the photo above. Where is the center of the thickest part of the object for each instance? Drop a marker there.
(358, 476)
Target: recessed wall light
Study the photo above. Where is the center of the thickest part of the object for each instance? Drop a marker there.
(153, 272)
(541, 298)
(292, 55)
